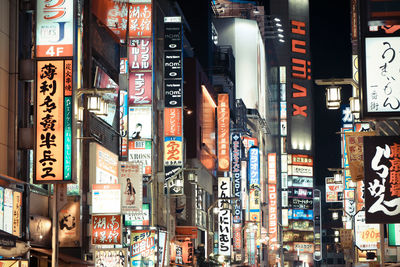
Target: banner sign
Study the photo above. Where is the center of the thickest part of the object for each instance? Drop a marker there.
(116, 257)
(143, 248)
(237, 178)
(131, 181)
(366, 235)
(106, 229)
(69, 223)
(53, 147)
(382, 179)
(223, 119)
(140, 152)
(140, 54)
(224, 217)
(54, 28)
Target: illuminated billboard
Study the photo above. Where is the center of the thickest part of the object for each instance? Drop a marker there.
(223, 120)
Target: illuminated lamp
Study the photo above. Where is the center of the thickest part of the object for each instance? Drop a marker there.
(80, 114)
(103, 108)
(344, 219)
(337, 177)
(333, 97)
(355, 107)
(336, 233)
(335, 215)
(336, 239)
(94, 103)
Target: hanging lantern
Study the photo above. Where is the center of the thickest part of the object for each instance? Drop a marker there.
(333, 97)
(355, 107)
(93, 103)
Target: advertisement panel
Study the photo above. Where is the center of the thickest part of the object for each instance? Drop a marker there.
(300, 170)
(366, 235)
(173, 155)
(162, 247)
(106, 198)
(143, 248)
(224, 217)
(104, 167)
(173, 93)
(173, 122)
(173, 64)
(300, 192)
(106, 230)
(54, 28)
(272, 216)
(140, 91)
(138, 217)
(140, 54)
(334, 191)
(300, 181)
(116, 257)
(298, 203)
(297, 159)
(223, 119)
(237, 177)
(300, 214)
(140, 152)
(271, 168)
(139, 122)
(8, 211)
(131, 181)
(123, 122)
(140, 16)
(69, 223)
(394, 234)
(382, 179)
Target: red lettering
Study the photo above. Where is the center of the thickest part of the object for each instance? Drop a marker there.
(299, 110)
(298, 25)
(302, 93)
(296, 46)
(300, 71)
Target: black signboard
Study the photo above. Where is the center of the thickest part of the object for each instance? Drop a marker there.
(172, 36)
(301, 192)
(297, 203)
(173, 93)
(382, 179)
(173, 64)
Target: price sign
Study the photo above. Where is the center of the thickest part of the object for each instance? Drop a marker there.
(367, 235)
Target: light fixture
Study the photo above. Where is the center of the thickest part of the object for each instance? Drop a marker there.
(280, 35)
(335, 215)
(355, 107)
(333, 97)
(280, 30)
(338, 177)
(80, 114)
(281, 40)
(336, 233)
(278, 25)
(336, 239)
(93, 103)
(344, 219)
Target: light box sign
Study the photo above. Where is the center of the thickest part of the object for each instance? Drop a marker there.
(140, 122)
(143, 248)
(123, 122)
(69, 223)
(173, 93)
(173, 64)
(271, 168)
(8, 211)
(272, 215)
(106, 198)
(17, 204)
(140, 16)
(140, 152)
(103, 165)
(334, 191)
(131, 181)
(139, 217)
(1, 208)
(173, 155)
(367, 236)
(223, 119)
(173, 122)
(382, 179)
(106, 229)
(237, 177)
(53, 147)
(140, 88)
(300, 192)
(254, 183)
(300, 170)
(140, 54)
(300, 181)
(224, 217)
(300, 214)
(54, 28)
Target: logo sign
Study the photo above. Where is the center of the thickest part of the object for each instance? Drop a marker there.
(172, 33)
(224, 217)
(140, 152)
(54, 28)
(382, 179)
(53, 147)
(173, 93)
(131, 181)
(140, 84)
(140, 54)
(367, 235)
(173, 151)
(106, 229)
(223, 119)
(173, 122)
(236, 175)
(106, 198)
(173, 64)
(143, 248)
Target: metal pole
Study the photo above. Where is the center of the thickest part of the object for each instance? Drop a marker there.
(382, 243)
(54, 239)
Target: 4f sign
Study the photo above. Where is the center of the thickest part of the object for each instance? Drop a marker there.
(54, 29)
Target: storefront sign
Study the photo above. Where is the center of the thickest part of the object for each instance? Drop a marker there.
(172, 33)
(140, 54)
(116, 257)
(303, 247)
(17, 204)
(143, 248)
(298, 203)
(300, 214)
(272, 216)
(106, 229)
(54, 28)
(237, 237)
(123, 122)
(140, 24)
(223, 120)
(271, 168)
(237, 177)
(140, 122)
(173, 93)
(131, 181)
(69, 224)
(302, 160)
(140, 88)
(334, 191)
(254, 182)
(300, 181)
(106, 198)
(173, 155)
(224, 217)
(300, 192)
(367, 236)
(8, 211)
(382, 180)
(140, 152)
(53, 147)
(173, 122)
(300, 170)
(103, 166)
(173, 64)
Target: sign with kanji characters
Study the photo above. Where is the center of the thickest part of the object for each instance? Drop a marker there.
(224, 216)
(346, 238)
(106, 229)
(116, 257)
(143, 248)
(140, 84)
(382, 179)
(140, 54)
(223, 119)
(54, 28)
(367, 236)
(173, 151)
(140, 20)
(254, 183)
(272, 216)
(17, 204)
(333, 190)
(173, 122)
(53, 146)
(131, 181)
(106, 198)
(69, 223)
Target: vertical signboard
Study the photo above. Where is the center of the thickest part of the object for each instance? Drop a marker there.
(237, 178)
(224, 217)
(254, 184)
(317, 226)
(103, 166)
(272, 216)
(143, 248)
(17, 204)
(394, 234)
(223, 119)
(53, 146)
(381, 179)
(69, 223)
(106, 230)
(54, 28)
(131, 181)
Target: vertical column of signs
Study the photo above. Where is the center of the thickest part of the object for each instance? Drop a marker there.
(173, 116)
(140, 67)
(54, 88)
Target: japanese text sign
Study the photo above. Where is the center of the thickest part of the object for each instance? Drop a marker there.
(224, 216)
(173, 155)
(106, 229)
(140, 84)
(237, 177)
(140, 20)
(140, 54)
(143, 248)
(223, 120)
(173, 122)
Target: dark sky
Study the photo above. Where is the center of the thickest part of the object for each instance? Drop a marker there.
(331, 58)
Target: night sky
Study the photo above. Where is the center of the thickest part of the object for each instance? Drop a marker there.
(331, 58)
